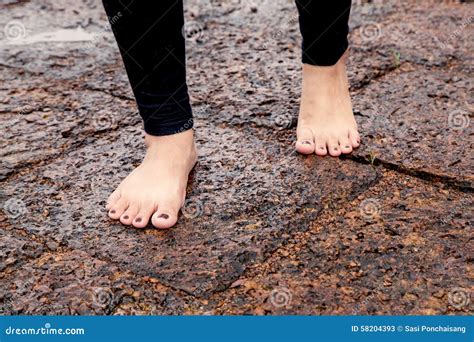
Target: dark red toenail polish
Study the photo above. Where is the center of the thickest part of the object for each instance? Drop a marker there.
(306, 142)
(335, 148)
(321, 148)
(347, 146)
(138, 219)
(112, 211)
(125, 217)
(164, 216)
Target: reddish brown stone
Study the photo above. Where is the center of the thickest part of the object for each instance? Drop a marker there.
(239, 207)
(265, 231)
(402, 247)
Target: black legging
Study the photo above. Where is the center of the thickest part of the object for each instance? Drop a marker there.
(150, 39)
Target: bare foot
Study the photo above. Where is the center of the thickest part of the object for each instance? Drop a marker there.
(157, 188)
(326, 123)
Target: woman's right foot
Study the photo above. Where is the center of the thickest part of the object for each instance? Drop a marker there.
(156, 189)
(326, 123)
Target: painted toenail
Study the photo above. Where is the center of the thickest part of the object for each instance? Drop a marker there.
(125, 217)
(112, 211)
(335, 148)
(347, 146)
(138, 219)
(164, 216)
(322, 148)
(306, 142)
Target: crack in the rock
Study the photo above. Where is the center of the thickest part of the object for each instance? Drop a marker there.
(30, 166)
(17, 232)
(16, 3)
(270, 253)
(23, 70)
(451, 182)
(121, 97)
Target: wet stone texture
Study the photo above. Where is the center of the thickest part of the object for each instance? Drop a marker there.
(402, 247)
(232, 219)
(68, 283)
(429, 135)
(387, 230)
(56, 121)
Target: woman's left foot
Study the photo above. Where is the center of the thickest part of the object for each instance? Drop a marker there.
(326, 123)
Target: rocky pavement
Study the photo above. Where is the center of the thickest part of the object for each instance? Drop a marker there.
(386, 230)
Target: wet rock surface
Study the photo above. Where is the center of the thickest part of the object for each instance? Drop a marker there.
(71, 283)
(238, 209)
(264, 230)
(56, 121)
(431, 134)
(402, 247)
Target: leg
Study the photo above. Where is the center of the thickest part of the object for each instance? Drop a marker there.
(326, 123)
(149, 36)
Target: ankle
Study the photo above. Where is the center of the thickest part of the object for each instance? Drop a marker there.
(182, 138)
(180, 144)
(338, 67)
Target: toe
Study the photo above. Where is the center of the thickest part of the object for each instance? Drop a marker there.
(305, 142)
(113, 198)
(345, 145)
(129, 215)
(333, 147)
(354, 137)
(143, 216)
(320, 148)
(165, 217)
(118, 208)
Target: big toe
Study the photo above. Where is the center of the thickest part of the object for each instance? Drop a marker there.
(305, 142)
(113, 198)
(166, 216)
